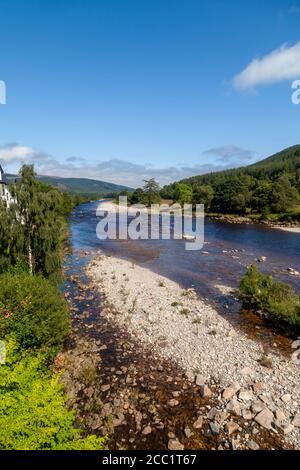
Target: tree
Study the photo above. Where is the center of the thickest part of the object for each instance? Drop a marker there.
(151, 192)
(183, 193)
(203, 194)
(283, 195)
(137, 196)
(11, 237)
(38, 212)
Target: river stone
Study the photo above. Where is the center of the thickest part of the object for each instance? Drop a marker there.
(233, 407)
(257, 387)
(105, 387)
(253, 445)
(173, 402)
(265, 418)
(231, 427)
(287, 428)
(286, 398)
(200, 380)
(215, 428)
(198, 423)
(296, 420)
(205, 391)
(188, 433)
(230, 391)
(174, 444)
(245, 395)
(147, 430)
(280, 416)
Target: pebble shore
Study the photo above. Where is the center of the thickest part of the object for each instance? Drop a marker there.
(263, 389)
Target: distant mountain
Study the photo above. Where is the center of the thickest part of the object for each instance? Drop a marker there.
(285, 161)
(80, 186)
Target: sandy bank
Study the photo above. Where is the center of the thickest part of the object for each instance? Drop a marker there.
(287, 229)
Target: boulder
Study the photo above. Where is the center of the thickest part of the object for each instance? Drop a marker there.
(265, 418)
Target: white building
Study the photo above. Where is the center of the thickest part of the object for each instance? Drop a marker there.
(4, 192)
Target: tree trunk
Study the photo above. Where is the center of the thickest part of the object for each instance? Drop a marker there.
(30, 256)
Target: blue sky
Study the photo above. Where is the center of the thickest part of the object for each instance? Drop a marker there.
(122, 90)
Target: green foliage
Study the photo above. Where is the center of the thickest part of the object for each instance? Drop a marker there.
(277, 300)
(183, 193)
(137, 196)
(203, 194)
(147, 195)
(32, 408)
(32, 309)
(151, 192)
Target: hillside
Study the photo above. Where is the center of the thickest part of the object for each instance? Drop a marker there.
(80, 186)
(269, 186)
(287, 160)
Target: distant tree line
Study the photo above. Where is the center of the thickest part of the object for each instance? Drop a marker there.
(270, 186)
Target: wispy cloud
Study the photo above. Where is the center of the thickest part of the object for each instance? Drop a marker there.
(280, 64)
(117, 170)
(229, 153)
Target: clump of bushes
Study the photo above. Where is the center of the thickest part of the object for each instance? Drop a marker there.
(33, 310)
(278, 301)
(33, 415)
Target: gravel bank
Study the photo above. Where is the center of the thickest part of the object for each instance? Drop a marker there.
(180, 327)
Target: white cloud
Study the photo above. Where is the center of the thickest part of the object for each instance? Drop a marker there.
(280, 64)
(15, 153)
(116, 170)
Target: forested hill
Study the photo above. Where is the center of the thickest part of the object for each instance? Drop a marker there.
(80, 186)
(271, 185)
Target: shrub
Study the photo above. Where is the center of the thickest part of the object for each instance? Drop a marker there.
(277, 300)
(32, 408)
(33, 310)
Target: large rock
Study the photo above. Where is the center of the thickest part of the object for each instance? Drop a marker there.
(234, 408)
(231, 427)
(296, 420)
(265, 418)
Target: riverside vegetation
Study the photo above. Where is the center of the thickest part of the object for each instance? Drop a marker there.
(34, 321)
(275, 300)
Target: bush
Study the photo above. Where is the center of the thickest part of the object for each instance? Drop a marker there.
(33, 310)
(277, 300)
(32, 408)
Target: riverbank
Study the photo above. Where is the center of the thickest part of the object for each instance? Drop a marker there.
(253, 391)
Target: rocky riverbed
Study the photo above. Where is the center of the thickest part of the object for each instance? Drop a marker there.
(250, 391)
